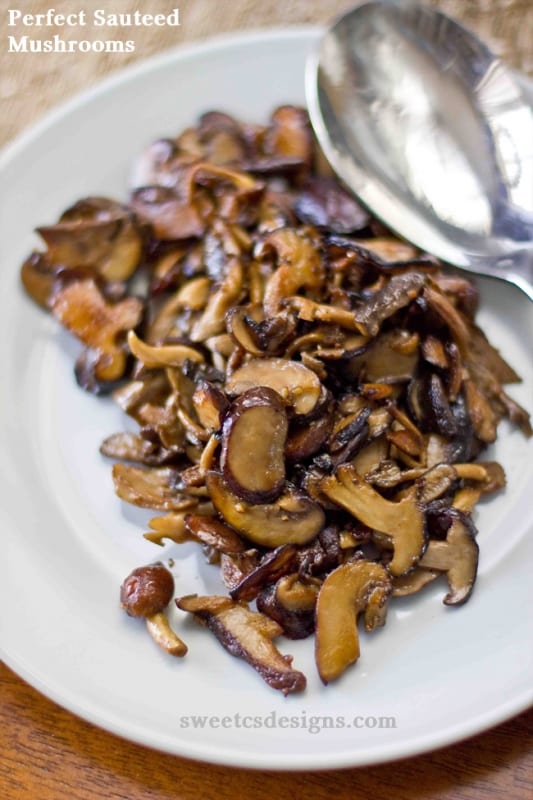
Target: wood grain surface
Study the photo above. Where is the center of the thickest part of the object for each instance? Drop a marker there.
(45, 752)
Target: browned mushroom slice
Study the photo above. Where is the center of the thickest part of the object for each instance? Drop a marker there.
(353, 588)
(457, 556)
(253, 444)
(166, 355)
(307, 438)
(483, 418)
(291, 603)
(226, 294)
(271, 567)
(289, 136)
(151, 488)
(297, 385)
(402, 520)
(146, 592)
(396, 294)
(210, 531)
(310, 311)
(324, 203)
(210, 405)
(300, 266)
(248, 635)
(172, 218)
(292, 519)
(37, 276)
(436, 481)
(82, 309)
(450, 316)
(97, 233)
(132, 447)
(414, 581)
(384, 361)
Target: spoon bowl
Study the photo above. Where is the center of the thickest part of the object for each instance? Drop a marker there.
(431, 131)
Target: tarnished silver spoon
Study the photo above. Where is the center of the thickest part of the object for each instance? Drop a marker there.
(432, 132)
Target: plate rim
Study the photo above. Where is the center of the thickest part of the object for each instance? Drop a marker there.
(293, 762)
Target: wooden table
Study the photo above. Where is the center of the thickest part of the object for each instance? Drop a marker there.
(45, 752)
(48, 754)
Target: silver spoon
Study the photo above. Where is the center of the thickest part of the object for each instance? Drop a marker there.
(432, 132)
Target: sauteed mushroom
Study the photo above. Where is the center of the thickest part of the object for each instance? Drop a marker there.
(311, 394)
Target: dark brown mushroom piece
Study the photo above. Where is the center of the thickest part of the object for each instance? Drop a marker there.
(399, 292)
(354, 588)
(247, 635)
(323, 203)
(457, 556)
(146, 592)
(253, 439)
(211, 532)
(291, 603)
(273, 565)
(292, 519)
(171, 217)
(98, 233)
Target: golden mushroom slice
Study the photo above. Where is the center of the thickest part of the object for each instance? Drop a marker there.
(457, 556)
(402, 521)
(352, 589)
(82, 309)
(292, 519)
(299, 386)
(248, 635)
(413, 581)
(151, 488)
(167, 355)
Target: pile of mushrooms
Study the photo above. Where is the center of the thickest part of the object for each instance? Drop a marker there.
(312, 395)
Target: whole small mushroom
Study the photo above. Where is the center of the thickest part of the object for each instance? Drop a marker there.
(146, 592)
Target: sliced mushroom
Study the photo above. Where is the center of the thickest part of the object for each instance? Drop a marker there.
(210, 404)
(81, 308)
(299, 266)
(167, 355)
(272, 566)
(254, 433)
(296, 384)
(132, 447)
(98, 233)
(248, 635)
(37, 276)
(353, 588)
(292, 519)
(151, 488)
(146, 592)
(213, 319)
(324, 203)
(291, 603)
(457, 556)
(399, 292)
(402, 521)
(414, 581)
(171, 217)
(210, 531)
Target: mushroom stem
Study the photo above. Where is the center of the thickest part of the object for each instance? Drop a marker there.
(163, 635)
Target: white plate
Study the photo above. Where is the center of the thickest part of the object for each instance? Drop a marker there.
(67, 541)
